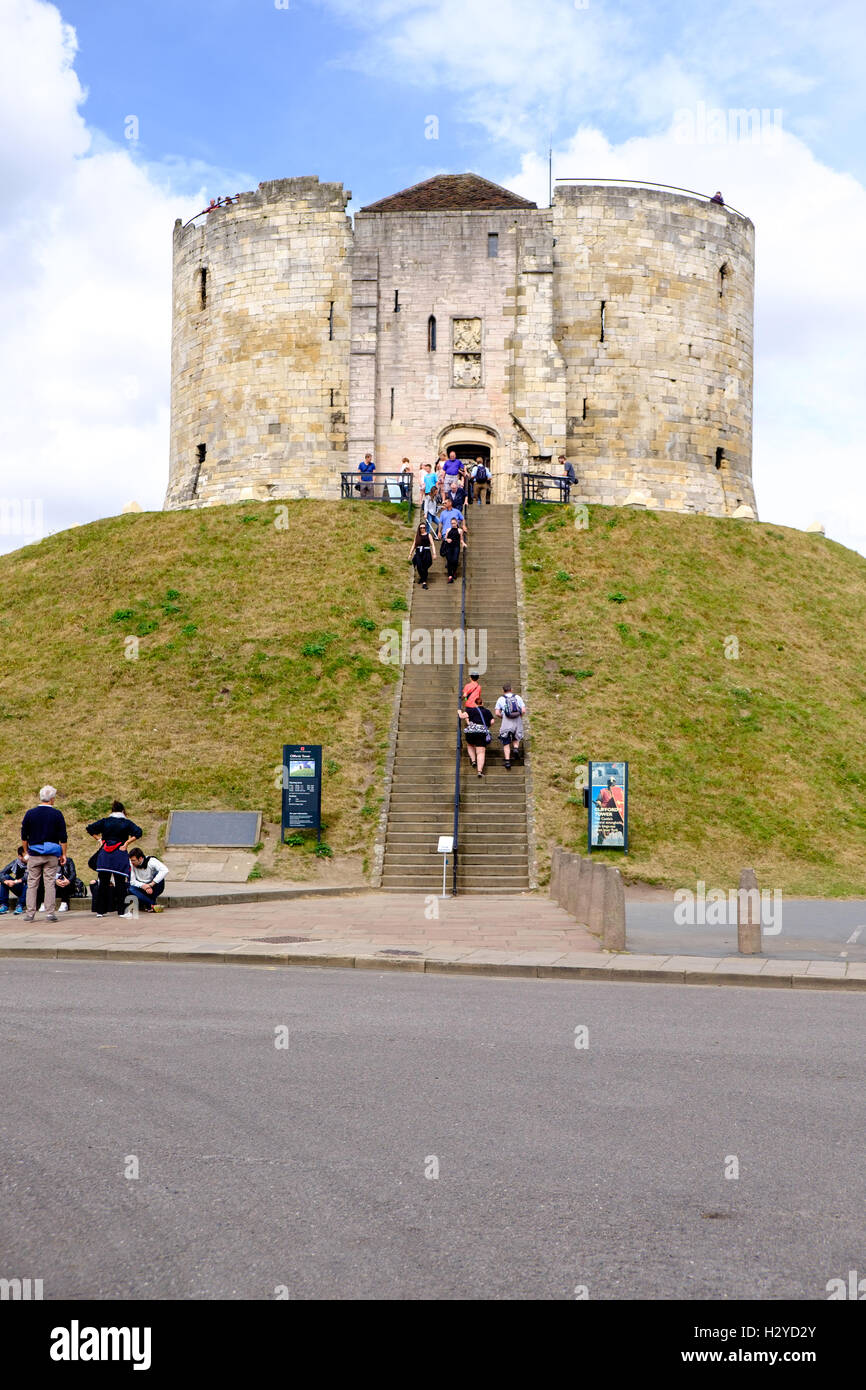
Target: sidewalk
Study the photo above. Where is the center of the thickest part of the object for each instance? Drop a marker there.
(521, 935)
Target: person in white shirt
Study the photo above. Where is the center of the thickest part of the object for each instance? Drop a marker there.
(147, 879)
(510, 709)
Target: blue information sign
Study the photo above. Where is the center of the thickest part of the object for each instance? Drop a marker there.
(302, 788)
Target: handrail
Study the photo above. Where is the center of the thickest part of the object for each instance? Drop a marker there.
(396, 488)
(648, 183)
(456, 827)
(535, 486)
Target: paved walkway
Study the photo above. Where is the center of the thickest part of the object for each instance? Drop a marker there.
(518, 935)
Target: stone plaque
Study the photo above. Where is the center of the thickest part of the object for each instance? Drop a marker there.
(218, 829)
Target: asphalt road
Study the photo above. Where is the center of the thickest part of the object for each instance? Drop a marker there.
(811, 929)
(304, 1166)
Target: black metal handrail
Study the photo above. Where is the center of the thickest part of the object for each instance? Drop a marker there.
(664, 187)
(459, 728)
(544, 487)
(379, 487)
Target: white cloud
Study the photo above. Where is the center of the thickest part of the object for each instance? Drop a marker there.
(85, 271)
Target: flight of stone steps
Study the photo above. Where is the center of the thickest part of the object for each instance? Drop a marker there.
(493, 849)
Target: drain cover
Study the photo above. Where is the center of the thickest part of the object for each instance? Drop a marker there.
(279, 940)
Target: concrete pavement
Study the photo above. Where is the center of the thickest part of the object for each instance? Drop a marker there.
(522, 935)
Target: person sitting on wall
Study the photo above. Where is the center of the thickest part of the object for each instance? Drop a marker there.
(366, 470)
(717, 198)
(568, 474)
(13, 883)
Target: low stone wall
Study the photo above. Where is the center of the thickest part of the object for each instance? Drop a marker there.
(592, 892)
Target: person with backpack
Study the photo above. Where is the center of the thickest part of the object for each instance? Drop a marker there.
(115, 833)
(510, 709)
(421, 554)
(476, 720)
(13, 883)
(481, 482)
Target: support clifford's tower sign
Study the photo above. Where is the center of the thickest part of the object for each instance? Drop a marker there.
(302, 788)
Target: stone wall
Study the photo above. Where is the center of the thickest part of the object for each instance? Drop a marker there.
(406, 395)
(260, 367)
(670, 385)
(298, 359)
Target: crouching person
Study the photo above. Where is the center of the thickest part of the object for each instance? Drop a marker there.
(147, 879)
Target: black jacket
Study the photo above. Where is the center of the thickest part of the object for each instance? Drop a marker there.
(115, 828)
(13, 870)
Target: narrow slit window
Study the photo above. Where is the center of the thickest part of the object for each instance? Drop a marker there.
(396, 301)
(332, 395)
(720, 457)
(492, 244)
(584, 407)
(431, 333)
(601, 325)
(202, 286)
(200, 456)
(724, 272)
(331, 322)
(392, 402)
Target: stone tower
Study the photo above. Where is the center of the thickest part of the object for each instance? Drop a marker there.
(614, 327)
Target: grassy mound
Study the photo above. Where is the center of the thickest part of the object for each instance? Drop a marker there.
(751, 758)
(249, 634)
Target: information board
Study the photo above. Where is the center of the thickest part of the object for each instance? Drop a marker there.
(608, 806)
(302, 788)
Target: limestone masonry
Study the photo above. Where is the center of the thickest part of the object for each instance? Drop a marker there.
(614, 327)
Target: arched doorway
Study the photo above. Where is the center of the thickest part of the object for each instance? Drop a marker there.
(476, 441)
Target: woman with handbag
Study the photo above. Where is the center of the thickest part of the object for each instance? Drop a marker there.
(452, 544)
(421, 554)
(477, 721)
(111, 861)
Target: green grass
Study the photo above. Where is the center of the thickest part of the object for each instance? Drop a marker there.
(241, 638)
(752, 761)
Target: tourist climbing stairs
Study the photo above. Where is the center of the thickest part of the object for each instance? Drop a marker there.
(492, 838)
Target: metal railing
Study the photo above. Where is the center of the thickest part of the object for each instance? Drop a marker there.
(544, 487)
(647, 183)
(396, 488)
(456, 828)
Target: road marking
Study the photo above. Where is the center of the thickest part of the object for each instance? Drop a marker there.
(855, 936)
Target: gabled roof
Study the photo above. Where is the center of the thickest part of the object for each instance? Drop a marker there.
(450, 192)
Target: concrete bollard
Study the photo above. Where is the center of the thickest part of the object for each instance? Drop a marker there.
(613, 926)
(595, 898)
(749, 914)
(556, 871)
(570, 883)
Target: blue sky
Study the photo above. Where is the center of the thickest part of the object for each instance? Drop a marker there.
(230, 92)
(245, 87)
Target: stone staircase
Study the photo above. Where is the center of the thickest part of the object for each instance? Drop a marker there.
(493, 848)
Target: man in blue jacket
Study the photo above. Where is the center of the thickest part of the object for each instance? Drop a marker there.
(43, 833)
